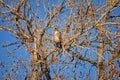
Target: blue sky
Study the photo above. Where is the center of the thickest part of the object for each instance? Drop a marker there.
(11, 59)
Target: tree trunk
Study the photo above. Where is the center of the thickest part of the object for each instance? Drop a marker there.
(34, 60)
(100, 53)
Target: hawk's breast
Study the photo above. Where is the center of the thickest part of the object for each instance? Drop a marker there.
(57, 36)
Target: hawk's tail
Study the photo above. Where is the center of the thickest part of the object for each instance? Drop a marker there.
(59, 44)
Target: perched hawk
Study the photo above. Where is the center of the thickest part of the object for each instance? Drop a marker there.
(57, 37)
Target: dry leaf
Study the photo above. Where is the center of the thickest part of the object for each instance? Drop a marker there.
(29, 49)
(57, 77)
(56, 19)
(55, 58)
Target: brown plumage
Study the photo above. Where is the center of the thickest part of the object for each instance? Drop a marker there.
(57, 37)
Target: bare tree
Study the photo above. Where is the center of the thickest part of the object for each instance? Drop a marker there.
(89, 32)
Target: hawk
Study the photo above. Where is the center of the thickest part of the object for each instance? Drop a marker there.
(57, 37)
